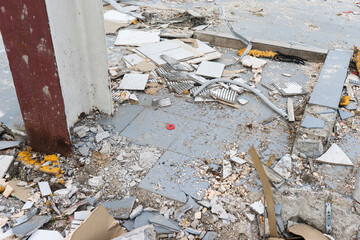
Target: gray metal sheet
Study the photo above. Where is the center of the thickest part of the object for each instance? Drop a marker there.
(328, 88)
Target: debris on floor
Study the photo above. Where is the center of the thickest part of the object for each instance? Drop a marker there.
(172, 163)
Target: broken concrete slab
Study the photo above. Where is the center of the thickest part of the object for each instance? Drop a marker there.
(146, 232)
(283, 166)
(8, 144)
(311, 122)
(5, 163)
(134, 81)
(46, 235)
(345, 114)
(328, 88)
(210, 69)
(30, 226)
(134, 37)
(174, 184)
(334, 155)
(120, 209)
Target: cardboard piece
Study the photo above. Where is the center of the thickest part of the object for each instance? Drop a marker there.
(99, 225)
(19, 192)
(307, 232)
(267, 191)
(334, 155)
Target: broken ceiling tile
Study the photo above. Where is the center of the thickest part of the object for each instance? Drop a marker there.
(283, 166)
(44, 189)
(258, 207)
(118, 17)
(249, 61)
(120, 209)
(8, 144)
(227, 169)
(312, 122)
(46, 235)
(134, 37)
(345, 114)
(5, 163)
(334, 155)
(210, 69)
(133, 59)
(134, 81)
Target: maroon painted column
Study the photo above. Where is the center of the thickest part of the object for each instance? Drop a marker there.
(25, 29)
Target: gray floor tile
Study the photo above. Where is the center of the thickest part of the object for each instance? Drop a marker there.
(176, 179)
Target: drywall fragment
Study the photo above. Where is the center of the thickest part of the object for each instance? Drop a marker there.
(44, 189)
(334, 155)
(27, 205)
(134, 37)
(117, 17)
(249, 61)
(46, 235)
(227, 169)
(5, 163)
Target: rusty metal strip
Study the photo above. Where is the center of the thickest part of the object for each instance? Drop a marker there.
(267, 191)
(26, 33)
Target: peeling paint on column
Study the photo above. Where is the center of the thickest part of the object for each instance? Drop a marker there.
(26, 34)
